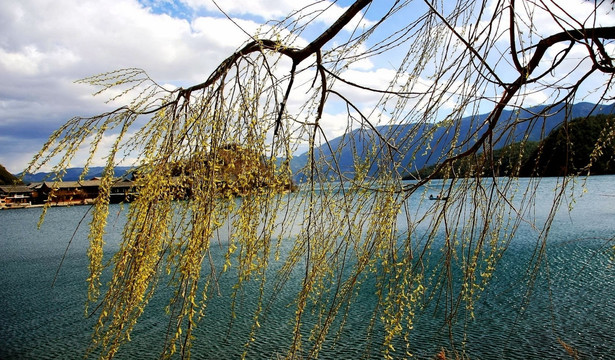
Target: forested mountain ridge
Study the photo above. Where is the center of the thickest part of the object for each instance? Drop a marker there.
(583, 146)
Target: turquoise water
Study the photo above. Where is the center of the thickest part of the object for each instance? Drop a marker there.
(572, 299)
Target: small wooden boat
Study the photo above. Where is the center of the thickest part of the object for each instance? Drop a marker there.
(438, 197)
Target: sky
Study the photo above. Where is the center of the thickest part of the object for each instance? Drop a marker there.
(46, 45)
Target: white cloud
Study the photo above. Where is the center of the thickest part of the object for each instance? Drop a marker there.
(31, 61)
(335, 125)
(45, 46)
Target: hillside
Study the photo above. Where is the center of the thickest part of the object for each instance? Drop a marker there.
(507, 161)
(570, 149)
(6, 178)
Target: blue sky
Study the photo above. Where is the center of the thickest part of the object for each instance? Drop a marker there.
(46, 45)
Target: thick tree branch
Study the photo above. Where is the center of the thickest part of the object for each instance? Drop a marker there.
(297, 55)
(333, 30)
(512, 89)
(575, 35)
(513, 42)
(253, 46)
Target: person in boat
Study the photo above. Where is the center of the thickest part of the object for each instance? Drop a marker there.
(437, 197)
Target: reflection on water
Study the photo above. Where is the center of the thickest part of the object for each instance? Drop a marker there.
(571, 300)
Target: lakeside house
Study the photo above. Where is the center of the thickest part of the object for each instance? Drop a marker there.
(66, 193)
(62, 193)
(234, 171)
(15, 196)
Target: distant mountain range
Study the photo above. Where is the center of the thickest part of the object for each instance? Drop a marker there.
(73, 174)
(419, 145)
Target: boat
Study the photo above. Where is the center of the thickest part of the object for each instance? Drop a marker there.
(438, 197)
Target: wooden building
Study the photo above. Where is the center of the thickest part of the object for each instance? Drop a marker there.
(15, 196)
(82, 192)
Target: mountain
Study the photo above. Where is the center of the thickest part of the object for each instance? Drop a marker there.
(6, 178)
(73, 174)
(421, 145)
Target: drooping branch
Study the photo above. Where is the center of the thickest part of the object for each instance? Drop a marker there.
(297, 55)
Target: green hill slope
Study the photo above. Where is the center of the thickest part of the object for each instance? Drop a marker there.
(6, 178)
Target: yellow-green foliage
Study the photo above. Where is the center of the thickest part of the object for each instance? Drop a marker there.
(198, 148)
(197, 153)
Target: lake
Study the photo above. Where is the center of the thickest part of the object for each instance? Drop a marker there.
(573, 298)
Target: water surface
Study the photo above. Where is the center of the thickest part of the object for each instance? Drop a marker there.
(572, 298)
